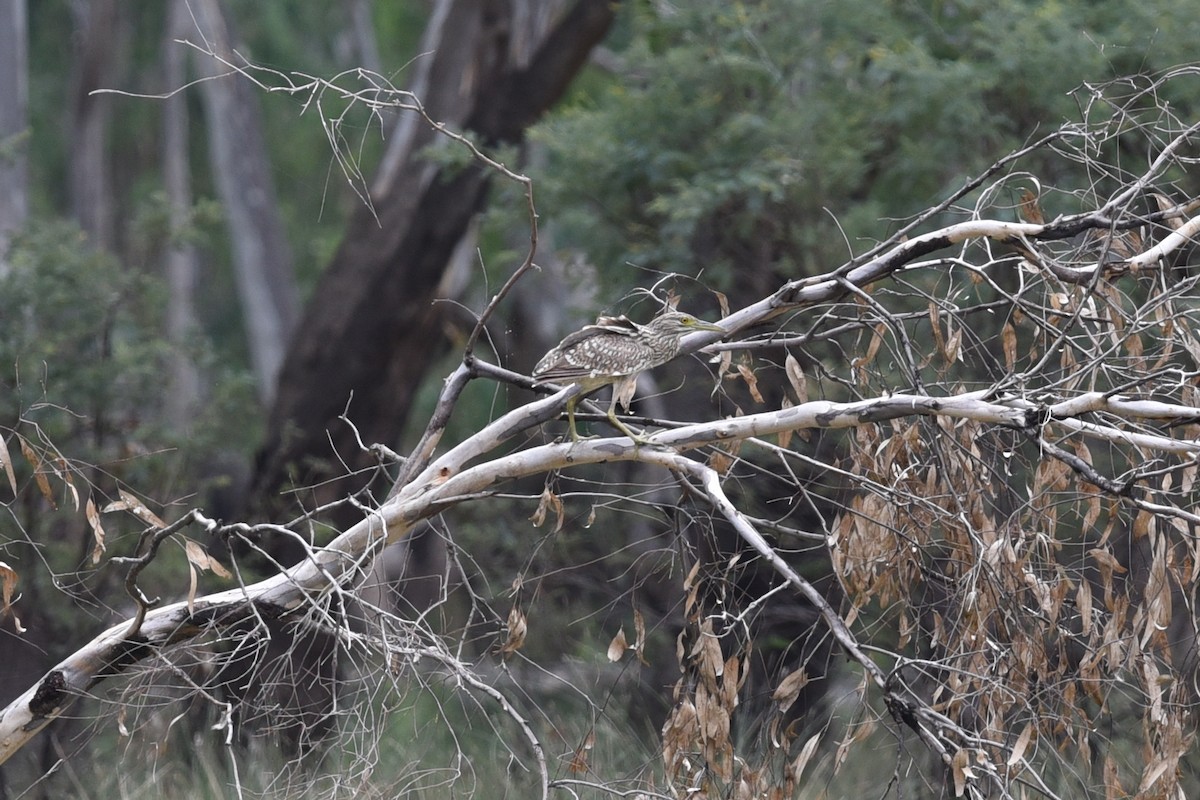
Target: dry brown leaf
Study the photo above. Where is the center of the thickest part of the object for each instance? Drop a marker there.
(93, 518)
(63, 471)
(906, 630)
(713, 664)
(785, 436)
(618, 646)
(35, 463)
(723, 302)
(1029, 209)
(789, 689)
(843, 750)
(691, 588)
(8, 584)
(1093, 512)
(720, 461)
(1153, 771)
(1018, 748)
(549, 501)
(1112, 779)
(730, 682)
(134, 506)
(579, 759)
(193, 583)
(1143, 524)
(796, 768)
(872, 348)
(1164, 205)
(796, 378)
(954, 344)
(1008, 336)
(517, 628)
(1083, 600)
(724, 362)
(751, 382)
(200, 559)
(958, 765)
(1125, 244)
(6, 463)
(639, 636)
(1133, 344)
(935, 325)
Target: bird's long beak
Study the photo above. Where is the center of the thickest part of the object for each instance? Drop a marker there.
(701, 325)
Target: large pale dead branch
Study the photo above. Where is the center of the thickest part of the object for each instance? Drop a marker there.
(451, 479)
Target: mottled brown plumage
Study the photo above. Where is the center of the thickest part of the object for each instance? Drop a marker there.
(615, 350)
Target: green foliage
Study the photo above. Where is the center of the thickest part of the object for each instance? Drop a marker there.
(83, 381)
(82, 333)
(75, 334)
(315, 196)
(753, 138)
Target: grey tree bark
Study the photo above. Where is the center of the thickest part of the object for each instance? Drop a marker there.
(14, 122)
(237, 150)
(362, 29)
(96, 25)
(183, 392)
(492, 68)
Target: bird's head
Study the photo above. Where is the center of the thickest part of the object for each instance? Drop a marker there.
(678, 323)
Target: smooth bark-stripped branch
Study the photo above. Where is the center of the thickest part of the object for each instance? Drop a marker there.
(715, 493)
(818, 289)
(448, 481)
(1065, 414)
(831, 286)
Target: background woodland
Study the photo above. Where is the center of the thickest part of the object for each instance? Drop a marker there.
(264, 266)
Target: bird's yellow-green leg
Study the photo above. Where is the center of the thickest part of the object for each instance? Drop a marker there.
(638, 439)
(571, 419)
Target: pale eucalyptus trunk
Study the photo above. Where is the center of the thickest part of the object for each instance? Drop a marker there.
(262, 256)
(184, 388)
(14, 123)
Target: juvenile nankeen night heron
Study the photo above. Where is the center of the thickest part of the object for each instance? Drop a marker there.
(615, 350)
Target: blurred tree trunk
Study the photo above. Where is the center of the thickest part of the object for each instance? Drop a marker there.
(238, 152)
(371, 330)
(90, 176)
(362, 30)
(14, 122)
(183, 390)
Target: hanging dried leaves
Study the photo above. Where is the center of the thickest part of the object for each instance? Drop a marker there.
(200, 561)
(1029, 209)
(517, 627)
(751, 382)
(618, 646)
(789, 689)
(8, 585)
(1008, 336)
(872, 348)
(133, 505)
(796, 378)
(7, 465)
(93, 518)
(639, 634)
(39, 475)
(581, 758)
(549, 501)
